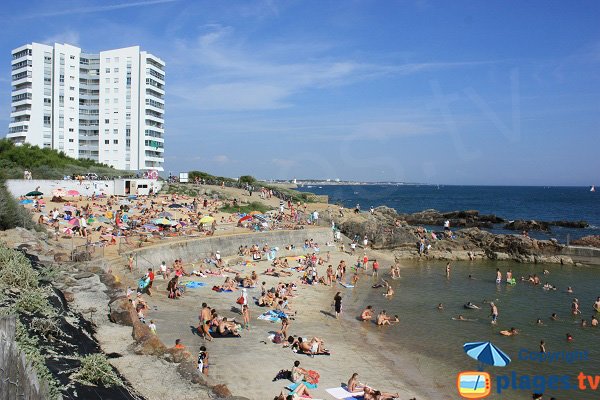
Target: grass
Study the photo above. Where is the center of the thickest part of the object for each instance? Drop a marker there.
(246, 208)
(96, 370)
(46, 163)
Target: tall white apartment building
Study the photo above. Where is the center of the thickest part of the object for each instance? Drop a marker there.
(108, 107)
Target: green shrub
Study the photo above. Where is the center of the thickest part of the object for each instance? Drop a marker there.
(246, 208)
(16, 271)
(96, 370)
(12, 214)
(34, 302)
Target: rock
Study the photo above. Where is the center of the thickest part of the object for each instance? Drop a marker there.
(571, 224)
(591, 241)
(189, 370)
(221, 391)
(521, 225)
(69, 297)
(61, 257)
(121, 311)
(150, 345)
(83, 275)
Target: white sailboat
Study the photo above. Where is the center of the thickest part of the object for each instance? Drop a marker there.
(593, 188)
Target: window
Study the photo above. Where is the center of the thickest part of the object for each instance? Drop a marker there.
(107, 80)
(108, 60)
(72, 98)
(116, 141)
(72, 57)
(107, 90)
(61, 78)
(71, 140)
(115, 100)
(107, 70)
(106, 131)
(116, 90)
(71, 130)
(106, 101)
(116, 59)
(71, 87)
(107, 121)
(107, 141)
(116, 131)
(116, 80)
(115, 70)
(71, 119)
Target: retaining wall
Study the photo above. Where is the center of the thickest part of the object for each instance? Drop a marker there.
(587, 255)
(19, 187)
(194, 249)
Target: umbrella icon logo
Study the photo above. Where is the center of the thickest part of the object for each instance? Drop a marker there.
(477, 384)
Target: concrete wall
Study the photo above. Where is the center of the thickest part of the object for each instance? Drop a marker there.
(586, 255)
(19, 187)
(195, 249)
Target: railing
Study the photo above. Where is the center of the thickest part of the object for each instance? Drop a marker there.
(88, 252)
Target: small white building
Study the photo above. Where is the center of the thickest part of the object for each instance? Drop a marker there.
(138, 187)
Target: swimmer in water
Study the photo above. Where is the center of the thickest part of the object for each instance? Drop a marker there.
(597, 305)
(389, 292)
(498, 276)
(569, 289)
(510, 332)
(494, 313)
(462, 318)
(554, 317)
(569, 337)
(542, 346)
(594, 322)
(440, 306)
(539, 321)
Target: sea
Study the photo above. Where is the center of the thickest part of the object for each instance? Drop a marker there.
(540, 203)
(426, 347)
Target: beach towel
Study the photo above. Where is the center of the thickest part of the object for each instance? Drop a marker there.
(342, 394)
(272, 315)
(193, 285)
(293, 386)
(346, 285)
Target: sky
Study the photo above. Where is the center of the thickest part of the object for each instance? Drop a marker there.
(443, 92)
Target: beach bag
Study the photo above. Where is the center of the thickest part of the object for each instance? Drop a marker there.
(240, 300)
(313, 377)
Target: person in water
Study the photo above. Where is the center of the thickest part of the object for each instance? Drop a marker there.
(510, 332)
(493, 312)
(367, 314)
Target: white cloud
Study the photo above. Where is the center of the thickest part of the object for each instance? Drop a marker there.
(95, 9)
(221, 159)
(68, 37)
(229, 75)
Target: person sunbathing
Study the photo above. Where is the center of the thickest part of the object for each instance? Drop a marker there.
(384, 319)
(372, 394)
(354, 386)
(312, 347)
(225, 327)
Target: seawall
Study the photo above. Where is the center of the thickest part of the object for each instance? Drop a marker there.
(19, 187)
(194, 249)
(582, 254)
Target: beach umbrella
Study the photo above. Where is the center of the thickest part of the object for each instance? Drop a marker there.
(175, 205)
(260, 218)
(26, 201)
(254, 213)
(69, 209)
(162, 221)
(124, 202)
(60, 192)
(132, 196)
(165, 214)
(73, 193)
(206, 220)
(103, 219)
(246, 218)
(74, 221)
(486, 353)
(150, 227)
(34, 193)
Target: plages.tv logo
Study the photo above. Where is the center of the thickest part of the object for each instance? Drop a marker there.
(477, 384)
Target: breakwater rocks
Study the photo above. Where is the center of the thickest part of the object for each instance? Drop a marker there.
(462, 219)
(385, 229)
(531, 225)
(589, 241)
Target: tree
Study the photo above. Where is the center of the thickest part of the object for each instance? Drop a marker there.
(247, 179)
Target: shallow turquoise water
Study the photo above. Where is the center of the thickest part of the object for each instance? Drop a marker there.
(425, 331)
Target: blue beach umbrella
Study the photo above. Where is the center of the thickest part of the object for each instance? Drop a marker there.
(26, 201)
(486, 353)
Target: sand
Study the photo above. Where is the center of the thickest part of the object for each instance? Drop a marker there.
(247, 364)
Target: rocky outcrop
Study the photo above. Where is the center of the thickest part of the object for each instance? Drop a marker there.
(386, 230)
(521, 225)
(458, 219)
(590, 241)
(120, 311)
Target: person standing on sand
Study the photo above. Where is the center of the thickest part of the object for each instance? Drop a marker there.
(205, 317)
(246, 315)
(330, 275)
(337, 304)
(494, 312)
(375, 268)
(130, 262)
(203, 361)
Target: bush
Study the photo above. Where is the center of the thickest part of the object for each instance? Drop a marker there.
(34, 302)
(12, 214)
(16, 271)
(96, 370)
(246, 208)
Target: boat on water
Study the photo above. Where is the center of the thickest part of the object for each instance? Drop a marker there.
(593, 188)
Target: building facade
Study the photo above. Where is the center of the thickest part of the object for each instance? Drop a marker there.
(108, 107)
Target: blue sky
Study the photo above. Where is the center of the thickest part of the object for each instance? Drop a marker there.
(452, 92)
